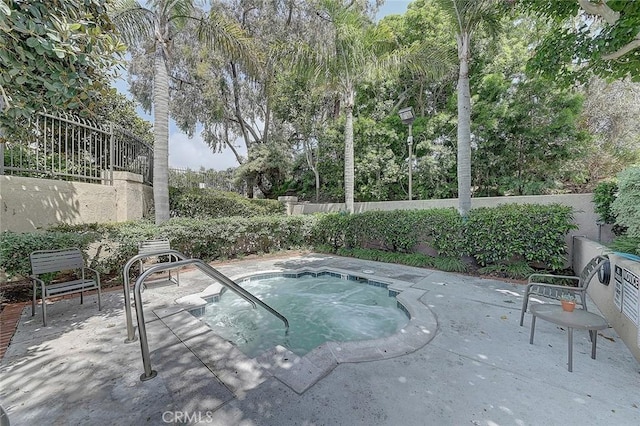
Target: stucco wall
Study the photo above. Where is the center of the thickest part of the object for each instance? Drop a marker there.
(133, 198)
(603, 295)
(29, 204)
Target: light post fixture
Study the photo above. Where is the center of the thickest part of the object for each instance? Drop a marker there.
(407, 117)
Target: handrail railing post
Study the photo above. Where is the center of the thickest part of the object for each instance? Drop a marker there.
(144, 344)
(149, 373)
(131, 333)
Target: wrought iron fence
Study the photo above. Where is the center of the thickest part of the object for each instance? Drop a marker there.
(70, 148)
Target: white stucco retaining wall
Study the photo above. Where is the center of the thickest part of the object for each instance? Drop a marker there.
(30, 204)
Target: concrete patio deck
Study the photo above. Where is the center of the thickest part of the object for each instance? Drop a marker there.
(475, 366)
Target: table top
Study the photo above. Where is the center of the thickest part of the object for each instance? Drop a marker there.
(579, 318)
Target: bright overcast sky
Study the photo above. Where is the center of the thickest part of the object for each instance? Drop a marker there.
(193, 153)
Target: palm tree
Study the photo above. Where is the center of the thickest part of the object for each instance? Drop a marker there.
(156, 23)
(346, 62)
(359, 51)
(467, 16)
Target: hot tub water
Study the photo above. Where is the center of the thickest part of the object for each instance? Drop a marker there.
(319, 309)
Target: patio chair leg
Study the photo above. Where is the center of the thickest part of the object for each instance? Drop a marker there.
(570, 361)
(33, 301)
(533, 329)
(524, 309)
(44, 307)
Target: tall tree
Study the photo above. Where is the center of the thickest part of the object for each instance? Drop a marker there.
(358, 51)
(610, 114)
(116, 108)
(308, 109)
(468, 16)
(528, 136)
(154, 26)
(232, 106)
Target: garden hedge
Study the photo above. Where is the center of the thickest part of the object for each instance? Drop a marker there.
(210, 204)
(526, 234)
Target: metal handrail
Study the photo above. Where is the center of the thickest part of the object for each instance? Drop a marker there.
(131, 333)
(208, 270)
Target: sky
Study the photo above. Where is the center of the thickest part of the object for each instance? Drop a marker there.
(193, 153)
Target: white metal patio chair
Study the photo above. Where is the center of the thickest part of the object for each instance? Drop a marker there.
(575, 286)
(152, 247)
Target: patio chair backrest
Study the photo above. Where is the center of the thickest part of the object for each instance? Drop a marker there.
(44, 261)
(590, 270)
(151, 246)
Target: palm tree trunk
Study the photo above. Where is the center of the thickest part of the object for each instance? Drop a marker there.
(349, 172)
(161, 138)
(464, 127)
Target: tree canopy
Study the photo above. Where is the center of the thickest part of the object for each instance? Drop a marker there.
(314, 103)
(588, 37)
(54, 54)
(149, 30)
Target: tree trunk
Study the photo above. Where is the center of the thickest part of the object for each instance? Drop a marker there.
(312, 162)
(317, 175)
(349, 172)
(161, 137)
(464, 127)
(251, 183)
(236, 104)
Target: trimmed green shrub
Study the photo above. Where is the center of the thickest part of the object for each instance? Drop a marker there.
(511, 233)
(441, 229)
(507, 239)
(209, 203)
(389, 230)
(330, 230)
(108, 247)
(15, 248)
(114, 243)
(506, 234)
(397, 231)
(230, 237)
(268, 207)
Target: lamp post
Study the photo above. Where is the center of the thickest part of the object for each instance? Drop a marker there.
(407, 117)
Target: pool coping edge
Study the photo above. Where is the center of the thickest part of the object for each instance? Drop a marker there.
(300, 373)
